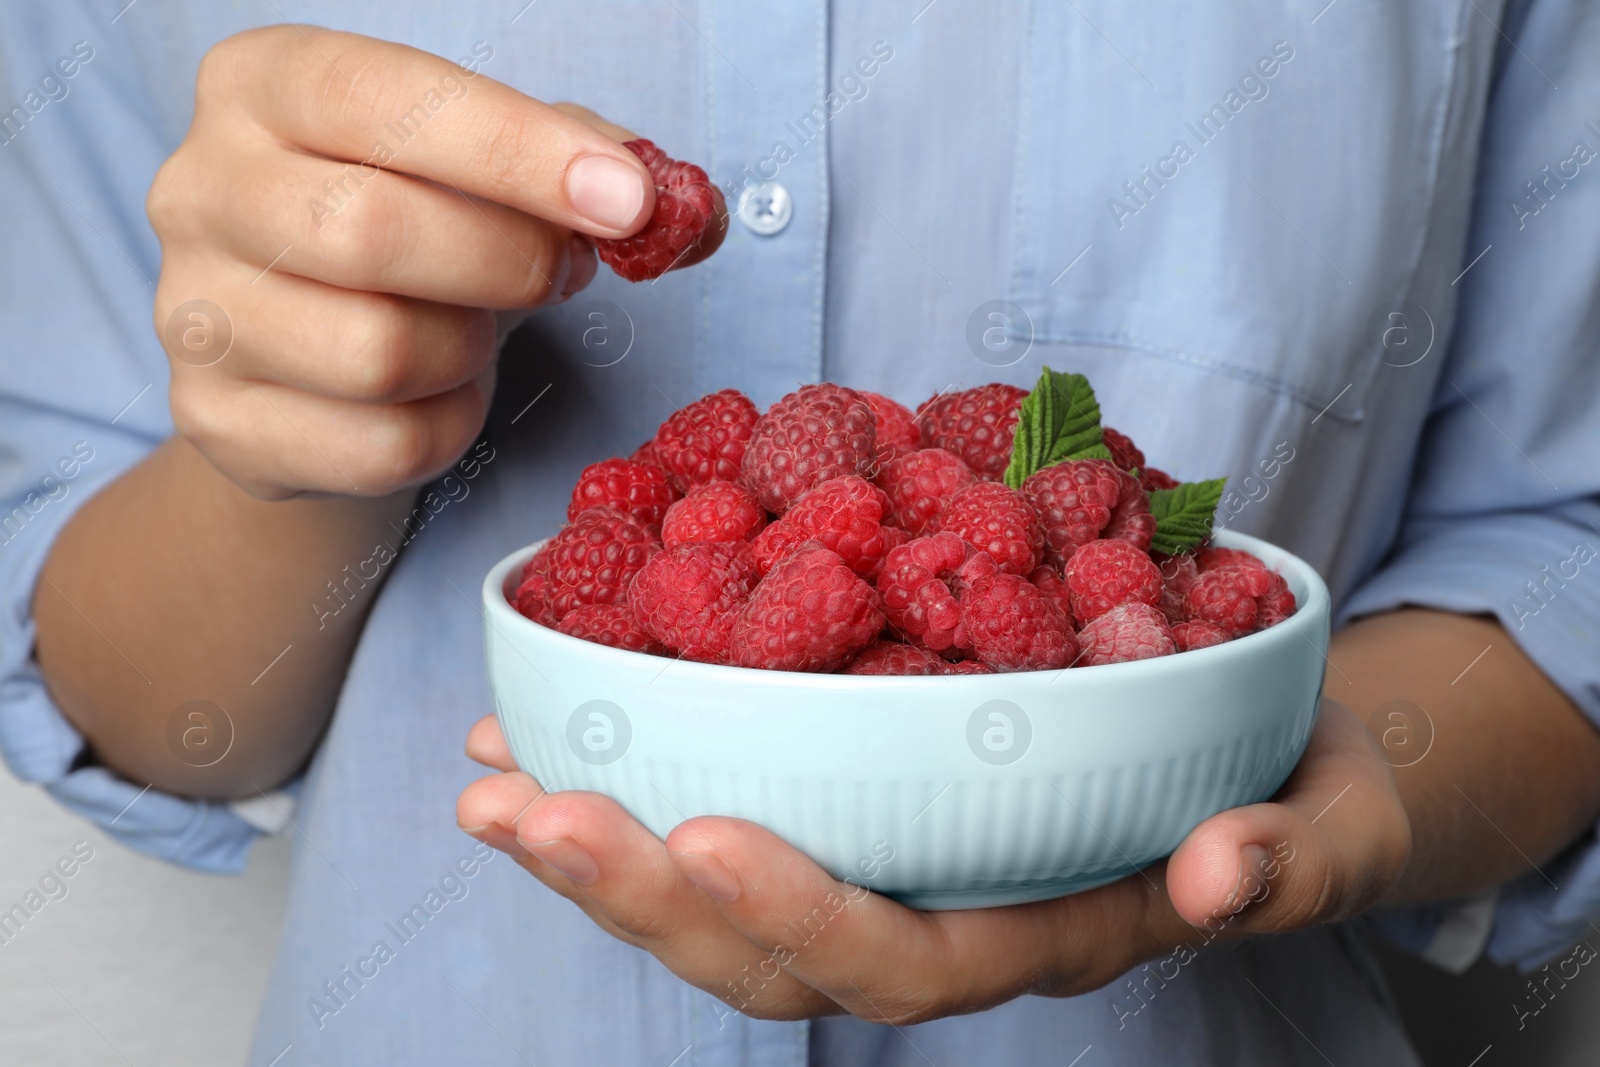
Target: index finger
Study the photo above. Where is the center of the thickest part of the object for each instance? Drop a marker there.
(380, 104)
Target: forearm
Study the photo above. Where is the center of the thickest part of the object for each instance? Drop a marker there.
(173, 585)
(1513, 773)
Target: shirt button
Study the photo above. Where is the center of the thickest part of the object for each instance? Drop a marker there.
(765, 209)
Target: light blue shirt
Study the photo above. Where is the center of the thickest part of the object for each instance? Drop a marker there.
(1346, 255)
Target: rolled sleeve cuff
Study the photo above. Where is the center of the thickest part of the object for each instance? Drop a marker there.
(1539, 574)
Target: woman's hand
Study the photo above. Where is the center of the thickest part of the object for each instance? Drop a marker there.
(722, 902)
(351, 212)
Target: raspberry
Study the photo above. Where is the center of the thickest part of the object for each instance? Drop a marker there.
(1197, 633)
(609, 624)
(688, 208)
(1074, 501)
(968, 666)
(892, 657)
(815, 433)
(1177, 575)
(1104, 574)
(1212, 557)
(918, 583)
(1124, 453)
(646, 453)
(897, 431)
(593, 560)
(533, 590)
(976, 425)
(998, 520)
(715, 511)
(1226, 597)
(919, 483)
(1156, 478)
(1126, 632)
(810, 613)
(1277, 604)
(1131, 520)
(843, 514)
(1014, 626)
(705, 441)
(1048, 581)
(689, 596)
(640, 489)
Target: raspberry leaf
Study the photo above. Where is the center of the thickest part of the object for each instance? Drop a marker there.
(1184, 514)
(1058, 421)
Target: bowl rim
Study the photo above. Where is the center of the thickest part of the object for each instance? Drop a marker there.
(499, 613)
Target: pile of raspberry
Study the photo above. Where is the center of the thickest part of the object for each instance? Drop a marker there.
(840, 531)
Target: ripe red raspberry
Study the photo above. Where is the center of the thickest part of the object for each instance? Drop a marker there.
(1104, 574)
(689, 596)
(968, 666)
(1124, 453)
(1131, 520)
(976, 425)
(1127, 632)
(810, 613)
(815, 433)
(1014, 626)
(1177, 575)
(897, 431)
(843, 514)
(705, 441)
(1074, 501)
(1048, 581)
(1277, 603)
(610, 624)
(1197, 633)
(715, 511)
(1211, 557)
(918, 585)
(892, 657)
(998, 520)
(593, 560)
(640, 489)
(689, 214)
(1156, 478)
(1226, 597)
(532, 597)
(646, 453)
(919, 483)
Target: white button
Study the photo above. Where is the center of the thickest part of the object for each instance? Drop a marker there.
(766, 208)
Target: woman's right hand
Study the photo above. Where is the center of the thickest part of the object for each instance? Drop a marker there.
(347, 278)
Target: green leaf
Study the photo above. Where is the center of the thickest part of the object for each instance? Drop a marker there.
(1184, 514)
(1058, 421)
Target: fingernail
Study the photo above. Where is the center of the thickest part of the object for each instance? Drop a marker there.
(605, 191)
(568, 857)
(498, 838)
(1251, 887)
(710, 874)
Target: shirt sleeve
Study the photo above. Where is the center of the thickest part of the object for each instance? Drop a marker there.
(83, 385)
(1504, 512)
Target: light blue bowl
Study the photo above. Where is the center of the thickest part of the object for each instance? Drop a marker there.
(960, 792)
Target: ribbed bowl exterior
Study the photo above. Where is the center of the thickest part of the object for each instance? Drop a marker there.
(957, 792)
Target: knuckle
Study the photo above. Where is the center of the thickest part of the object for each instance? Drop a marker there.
(375, 364)
(399, 450)
(367, 231)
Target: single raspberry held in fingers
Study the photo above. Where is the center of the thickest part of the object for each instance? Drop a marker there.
(688, 206)
(1197, 633)
(610, 624)
(1105, 574)
(1074, 501)
(1131, 520)
(715, 511)
(639, 489)
(689, 596)
(1014, 626)
(705, 441)
(897, 431)
(1226, 597)
(920, 483)
(1126, 632)
(892, 657)
(919, 583)
(998, 520)
(810, 613)
(843, 514)
(815, 433)
(593, 560)
(976, 424)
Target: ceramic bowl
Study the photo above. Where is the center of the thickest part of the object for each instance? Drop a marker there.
(950, 792)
